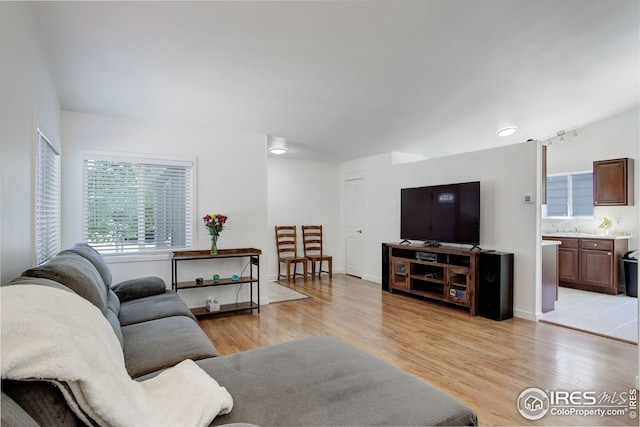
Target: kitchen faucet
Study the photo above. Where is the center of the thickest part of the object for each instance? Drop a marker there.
(562, 223)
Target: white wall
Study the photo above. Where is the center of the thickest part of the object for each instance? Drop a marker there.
(612, 138)
(507, 225)
(304, 192)
(28, 97)
(231, 179)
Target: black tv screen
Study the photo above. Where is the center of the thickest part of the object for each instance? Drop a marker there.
(441, 213)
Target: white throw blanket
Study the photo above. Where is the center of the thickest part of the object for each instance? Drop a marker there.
(52, 334)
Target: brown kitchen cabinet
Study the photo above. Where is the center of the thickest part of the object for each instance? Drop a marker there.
(568, 261)
(596, 269)
(613, 182)
(590, 264)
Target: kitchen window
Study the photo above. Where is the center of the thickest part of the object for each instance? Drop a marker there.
(569, 195)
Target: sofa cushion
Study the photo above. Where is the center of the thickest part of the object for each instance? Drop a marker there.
(153, 307)
(76, 273)
(139, 288)
(13, 415)
(113, 320)
(113, 313)
(324, 381)
(160, 343)
(42, 401)
(37, 281)
(95, 258)
(113, 302)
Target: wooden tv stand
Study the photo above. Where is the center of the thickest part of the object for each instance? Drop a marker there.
(436, 272)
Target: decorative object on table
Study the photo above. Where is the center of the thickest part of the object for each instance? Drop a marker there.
(212, 305)
(199, 281)
(235, 277)
(215, 224)
(605, 225)
(216, 278)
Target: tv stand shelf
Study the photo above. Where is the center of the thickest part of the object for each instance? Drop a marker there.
(435, 272)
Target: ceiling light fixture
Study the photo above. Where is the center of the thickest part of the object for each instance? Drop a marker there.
(561, 135)
(278, 150)
(277, 145)
(506, 131)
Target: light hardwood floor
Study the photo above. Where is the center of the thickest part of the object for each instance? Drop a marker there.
(483, 363)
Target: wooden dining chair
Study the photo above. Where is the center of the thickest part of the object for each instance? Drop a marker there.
(314, 252)
(287, 247)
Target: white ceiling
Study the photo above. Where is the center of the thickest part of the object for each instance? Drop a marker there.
(343, 80)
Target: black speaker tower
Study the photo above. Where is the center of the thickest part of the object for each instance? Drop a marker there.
(496, 285)
(385, 267)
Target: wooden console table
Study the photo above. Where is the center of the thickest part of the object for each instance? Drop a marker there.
(254, 260)
(435, 272)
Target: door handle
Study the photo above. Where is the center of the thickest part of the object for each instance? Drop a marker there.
(359, 231)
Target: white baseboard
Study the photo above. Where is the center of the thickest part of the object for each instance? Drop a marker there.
(374, 279)
(527, 315)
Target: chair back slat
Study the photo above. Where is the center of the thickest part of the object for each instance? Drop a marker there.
(286, 240)
(312, 240)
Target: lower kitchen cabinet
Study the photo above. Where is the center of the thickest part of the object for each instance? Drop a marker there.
(591, 264)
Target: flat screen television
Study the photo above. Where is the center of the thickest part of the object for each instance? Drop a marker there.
(441, 213)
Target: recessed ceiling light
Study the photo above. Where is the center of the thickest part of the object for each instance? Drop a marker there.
(278, 150)
(506, 131)
(277, 145)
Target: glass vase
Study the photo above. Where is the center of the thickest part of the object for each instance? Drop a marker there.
(214, 245)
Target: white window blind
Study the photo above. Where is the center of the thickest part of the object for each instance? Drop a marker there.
(569, 196)
(557, 196)
(47, 203)
(135, 205)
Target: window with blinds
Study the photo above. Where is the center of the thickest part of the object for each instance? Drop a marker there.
(47, 200)
(135, 205)
(569, 196)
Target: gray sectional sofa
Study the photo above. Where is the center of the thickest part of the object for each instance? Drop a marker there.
(313, 381)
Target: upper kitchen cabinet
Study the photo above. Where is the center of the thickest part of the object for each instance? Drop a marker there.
(613, 182)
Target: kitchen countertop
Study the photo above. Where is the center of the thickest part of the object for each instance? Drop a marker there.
(585, 236)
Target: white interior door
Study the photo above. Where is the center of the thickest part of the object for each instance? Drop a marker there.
(354, 231)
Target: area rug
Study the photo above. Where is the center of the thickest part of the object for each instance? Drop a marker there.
(279, 293)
